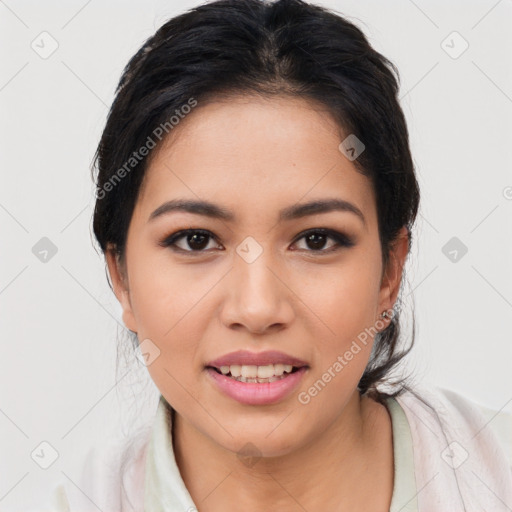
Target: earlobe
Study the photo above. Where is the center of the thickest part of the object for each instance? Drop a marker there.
(119, 281)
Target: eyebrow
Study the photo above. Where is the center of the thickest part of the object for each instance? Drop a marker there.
(297, 211)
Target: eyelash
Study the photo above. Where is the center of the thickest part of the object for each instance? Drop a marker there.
(341, 240)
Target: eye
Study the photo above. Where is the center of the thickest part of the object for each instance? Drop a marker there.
(197, 240)
(317, 238)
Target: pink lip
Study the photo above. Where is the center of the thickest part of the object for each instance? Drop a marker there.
(245, 357)
(255, 393)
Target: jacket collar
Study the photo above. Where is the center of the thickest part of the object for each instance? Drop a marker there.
(164, 488)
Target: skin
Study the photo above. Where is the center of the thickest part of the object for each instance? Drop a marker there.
(255, 156)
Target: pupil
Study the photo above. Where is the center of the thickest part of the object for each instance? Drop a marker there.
(194, 243)
(317, 244)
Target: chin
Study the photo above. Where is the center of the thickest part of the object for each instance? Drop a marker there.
(265, 438)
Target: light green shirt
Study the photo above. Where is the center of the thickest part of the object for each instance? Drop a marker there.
(404, 489)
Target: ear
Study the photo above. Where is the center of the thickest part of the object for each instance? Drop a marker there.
(119, 278)
(392, 274)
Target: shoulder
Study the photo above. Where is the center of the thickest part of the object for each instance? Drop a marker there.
(461, 450)
(465, 442)
(498, 420)
(461, 413)
(111, 477)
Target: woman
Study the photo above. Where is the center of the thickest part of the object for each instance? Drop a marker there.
(255, 203)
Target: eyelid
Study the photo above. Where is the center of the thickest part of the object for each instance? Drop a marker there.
(170, 240)
(341, 238)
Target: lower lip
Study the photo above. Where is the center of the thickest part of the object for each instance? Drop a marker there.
(257, 393)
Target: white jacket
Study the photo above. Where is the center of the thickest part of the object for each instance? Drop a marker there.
(461, 460)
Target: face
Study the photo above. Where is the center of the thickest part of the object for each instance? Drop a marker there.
(267, 276)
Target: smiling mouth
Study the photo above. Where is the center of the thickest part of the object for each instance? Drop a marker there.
(256, 374)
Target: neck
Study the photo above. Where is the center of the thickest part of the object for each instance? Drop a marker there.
(333, 472)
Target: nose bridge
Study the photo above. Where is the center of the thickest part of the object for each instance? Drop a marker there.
(255, 281)
(258, 298)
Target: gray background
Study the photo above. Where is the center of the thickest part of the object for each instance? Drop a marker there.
(59, 319)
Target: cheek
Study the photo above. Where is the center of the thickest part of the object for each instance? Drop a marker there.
(345, 297)
(163, 292)
(171, 308)
(346, 305)
(345, 300)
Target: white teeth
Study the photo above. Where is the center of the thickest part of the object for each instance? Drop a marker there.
(278, 369)
(236, 370)
(249, 371)
(253, 373)
(264, 372)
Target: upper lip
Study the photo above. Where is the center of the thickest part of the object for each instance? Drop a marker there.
(248, 358)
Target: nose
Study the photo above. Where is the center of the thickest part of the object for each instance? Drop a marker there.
(258, 298)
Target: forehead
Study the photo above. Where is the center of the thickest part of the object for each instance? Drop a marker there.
(255, 155)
